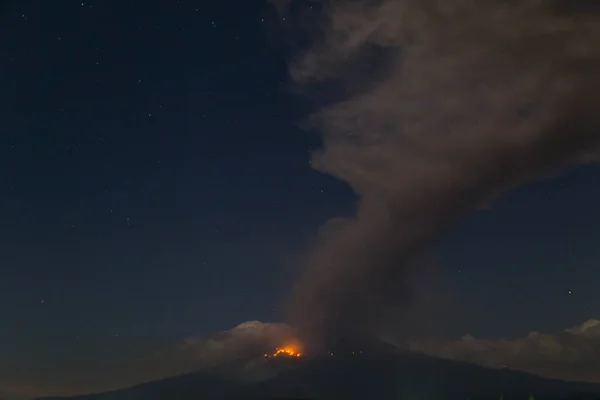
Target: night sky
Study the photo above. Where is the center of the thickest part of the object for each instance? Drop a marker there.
(155, 184)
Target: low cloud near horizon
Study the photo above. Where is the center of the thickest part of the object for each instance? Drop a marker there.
(572, 354)
(82, 376)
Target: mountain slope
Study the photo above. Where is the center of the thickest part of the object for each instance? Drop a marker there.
(406, 376)
(358, 376)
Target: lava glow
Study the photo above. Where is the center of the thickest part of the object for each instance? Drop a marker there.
(290, 351)
(286, 351)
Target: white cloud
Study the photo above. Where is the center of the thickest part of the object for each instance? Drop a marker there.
(247, 338)
(573, 354)
(79, 375)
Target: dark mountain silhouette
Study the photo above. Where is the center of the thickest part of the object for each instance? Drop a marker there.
(400, 376)
(373, 371)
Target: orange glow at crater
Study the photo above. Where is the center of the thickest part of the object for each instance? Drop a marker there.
(286, 351)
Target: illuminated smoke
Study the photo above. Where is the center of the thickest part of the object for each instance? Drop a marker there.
(448, 104)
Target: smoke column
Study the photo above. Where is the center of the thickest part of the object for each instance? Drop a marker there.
(448, 105)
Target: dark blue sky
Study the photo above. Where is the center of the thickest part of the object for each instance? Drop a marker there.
(530, 262)
(154, 184)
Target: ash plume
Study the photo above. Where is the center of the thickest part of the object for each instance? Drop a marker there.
(447, 105)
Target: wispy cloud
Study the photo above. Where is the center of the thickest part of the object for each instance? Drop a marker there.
(573, 354)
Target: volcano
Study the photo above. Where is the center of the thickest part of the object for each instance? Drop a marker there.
(352, 371)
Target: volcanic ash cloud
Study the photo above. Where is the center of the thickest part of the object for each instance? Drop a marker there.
(448, 105)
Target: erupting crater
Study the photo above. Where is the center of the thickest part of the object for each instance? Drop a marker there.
(286, 351)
